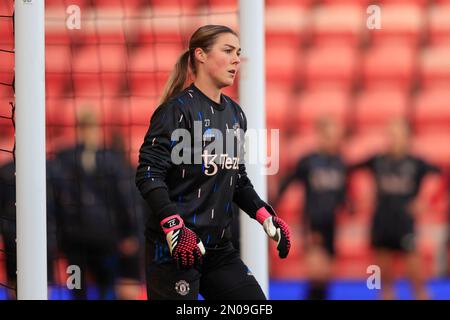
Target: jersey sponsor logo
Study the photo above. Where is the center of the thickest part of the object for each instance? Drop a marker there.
(326, 179)
(395, 184)
(182, 287)
(224, 162)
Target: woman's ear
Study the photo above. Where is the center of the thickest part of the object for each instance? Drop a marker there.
(200, 55)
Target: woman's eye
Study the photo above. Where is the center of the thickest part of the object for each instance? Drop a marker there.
(228, 50)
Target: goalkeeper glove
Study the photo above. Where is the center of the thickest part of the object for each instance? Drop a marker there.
(185, 246)
(276, 229)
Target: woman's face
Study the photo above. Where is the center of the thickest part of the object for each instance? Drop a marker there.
(221, 62)
(398, 137)
(330, 136)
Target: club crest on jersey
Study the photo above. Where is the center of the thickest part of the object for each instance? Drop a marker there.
(182, 287)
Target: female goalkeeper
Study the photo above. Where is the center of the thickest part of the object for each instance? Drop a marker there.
(190, 171)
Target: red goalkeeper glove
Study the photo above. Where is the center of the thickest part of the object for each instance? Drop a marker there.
(185, 246)
(276, 229)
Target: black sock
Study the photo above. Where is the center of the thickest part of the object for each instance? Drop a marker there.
(317, 290)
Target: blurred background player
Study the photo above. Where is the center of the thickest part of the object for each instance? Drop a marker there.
(94, 204)
(8, 227)
(398, 177)
(323, 174)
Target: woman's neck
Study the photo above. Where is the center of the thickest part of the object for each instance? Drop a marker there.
(208, 88)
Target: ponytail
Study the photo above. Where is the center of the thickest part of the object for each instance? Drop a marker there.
(177, 79)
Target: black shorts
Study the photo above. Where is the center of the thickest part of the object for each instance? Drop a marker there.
(393, 233)
(404, 242)
(222, 276)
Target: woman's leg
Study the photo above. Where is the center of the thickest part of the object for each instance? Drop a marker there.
(384, 259)
(319, 251)
(416, 275)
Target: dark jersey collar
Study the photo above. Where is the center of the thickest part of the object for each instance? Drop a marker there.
(215, 105)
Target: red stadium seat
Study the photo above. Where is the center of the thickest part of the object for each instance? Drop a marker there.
(347, 2)
(439, 24)
(286, 23)
(6, 34)
(59, 4)
(435, 66)
(375, 108)
(150, 67)
(389, 66)
(281, 61)
(401, 23)
(289, 3)
(221, 5)
(6, 91)
(338, 24)
(433, 147)
(277, 104)
(6, 148)
(60, 112)
(6, 123)
(58, 59)
(176, 7)
(58, 68)
(115, 112)
(147, 84)
(432, 111)
(99, 70)
(128, 7)
(331, 67)
(106, 58)
(162, 27)
(141, 110)
(421, 3)
(155, 58)
(106, 29)
(6, 67)
(137, 138)
(312, 105)
(56, 18)
(7, 8)
(226, 16)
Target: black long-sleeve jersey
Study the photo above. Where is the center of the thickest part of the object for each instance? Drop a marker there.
(398, 183)
(199, 175)
(324, 178)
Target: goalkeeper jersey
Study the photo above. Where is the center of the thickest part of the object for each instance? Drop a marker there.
(194, 152)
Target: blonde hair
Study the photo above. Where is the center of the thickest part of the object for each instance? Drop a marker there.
(204, 37)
